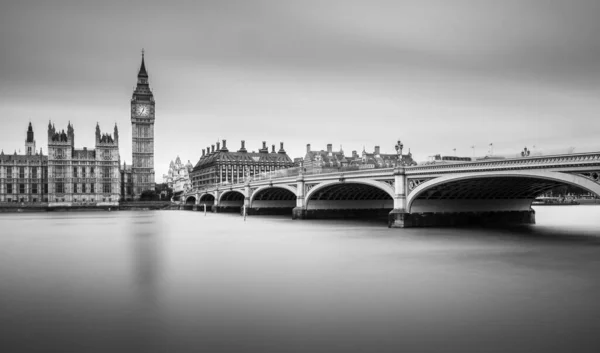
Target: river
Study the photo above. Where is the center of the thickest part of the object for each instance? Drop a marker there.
(178, 281)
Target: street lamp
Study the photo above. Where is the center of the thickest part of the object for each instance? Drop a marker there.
(399, 146)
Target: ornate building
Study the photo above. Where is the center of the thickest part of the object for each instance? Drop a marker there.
(82, 176)
(219, 166)
(337, 159)
(24, 178)
(178, 176)
(320, 159)
(142, 130)
(376, 159)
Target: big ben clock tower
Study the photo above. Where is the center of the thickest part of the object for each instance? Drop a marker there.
(142, 134)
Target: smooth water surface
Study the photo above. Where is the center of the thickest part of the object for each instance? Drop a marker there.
(179, 281)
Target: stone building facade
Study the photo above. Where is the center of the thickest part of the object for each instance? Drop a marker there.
(220, 166)
(142, 129)
(178, 176)
(324, 158)
(83, 177)
(366, 160)
(24, 177)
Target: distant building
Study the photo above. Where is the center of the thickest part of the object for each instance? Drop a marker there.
(219, 166)
(83, 176)
(24, 178)
(324, 158)
(376, 159)
(126, 182)
(336, 159)
(178, 176)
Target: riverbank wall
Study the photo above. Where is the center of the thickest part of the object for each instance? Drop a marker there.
(44, 207)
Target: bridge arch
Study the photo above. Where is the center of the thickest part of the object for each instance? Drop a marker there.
(490, 191)
(277, 192)
(206, 199)
(231, 201)
(231, 195)
(190, 200)
(349, 199)
(376, 184)
(278, 199)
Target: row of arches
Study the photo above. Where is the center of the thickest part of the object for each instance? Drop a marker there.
(473, 192)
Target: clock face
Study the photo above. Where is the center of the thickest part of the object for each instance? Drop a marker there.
(142, 110)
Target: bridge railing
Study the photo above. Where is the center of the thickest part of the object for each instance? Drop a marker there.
(292, 172)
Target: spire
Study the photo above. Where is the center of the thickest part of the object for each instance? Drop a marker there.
(116, 133)
(143, 72)
(29, 134)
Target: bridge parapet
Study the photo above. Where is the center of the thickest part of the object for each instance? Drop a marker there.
(575, 160)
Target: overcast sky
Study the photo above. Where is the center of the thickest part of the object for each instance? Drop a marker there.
(437, 74)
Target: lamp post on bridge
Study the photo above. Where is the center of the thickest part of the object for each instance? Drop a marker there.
(399, 146)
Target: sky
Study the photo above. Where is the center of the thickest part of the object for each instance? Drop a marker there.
(438, 75)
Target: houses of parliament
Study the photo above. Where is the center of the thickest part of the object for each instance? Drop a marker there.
(68, 176)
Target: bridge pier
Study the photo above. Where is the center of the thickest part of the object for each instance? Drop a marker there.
(298, 213)
(441, 219)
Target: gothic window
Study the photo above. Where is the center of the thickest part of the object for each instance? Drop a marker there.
(74, 188)
(106, 172)
(21, 188)
(21, 172)
(8, 172)
(45, 188)
(74, 172)
(83, 188)
(34, 172)
(9, 188)
(60, 188)
(34, 188)
(106, 188)
(83, 172)
(92, 186)
(92, 171)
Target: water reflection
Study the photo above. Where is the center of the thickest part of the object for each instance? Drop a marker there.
(181, 281)
(145, 233)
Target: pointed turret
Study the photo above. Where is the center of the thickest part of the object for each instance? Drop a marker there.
(116, 133)
(142, 91)
(29, 141)
(143, 72)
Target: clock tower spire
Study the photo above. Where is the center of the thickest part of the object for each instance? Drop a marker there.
(142, 128)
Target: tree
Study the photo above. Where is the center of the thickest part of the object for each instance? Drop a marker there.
(149, 195)
(164, 192)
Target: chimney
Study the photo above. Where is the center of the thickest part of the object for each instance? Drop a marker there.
(272, 148)
(281, 150)
(218, 146)
(224, 144)
(376, 150)
(354, 154)
(329, 148)
(203, 152)
(212, 150)
(243, 149)
(308, 148)
(264, 148)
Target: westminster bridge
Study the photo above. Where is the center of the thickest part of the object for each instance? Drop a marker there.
(499, 190)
